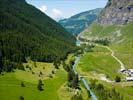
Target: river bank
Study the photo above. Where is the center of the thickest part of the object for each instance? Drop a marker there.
(86, 84)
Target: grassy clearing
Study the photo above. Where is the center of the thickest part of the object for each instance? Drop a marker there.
(66, 93)
(10, 84)
(28, 76)
(98, 61)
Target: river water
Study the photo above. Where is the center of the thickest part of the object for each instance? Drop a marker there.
(86, 84)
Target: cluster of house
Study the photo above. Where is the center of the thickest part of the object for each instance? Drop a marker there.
(129, 74)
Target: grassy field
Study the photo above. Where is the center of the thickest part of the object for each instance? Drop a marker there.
(121, 40)
(10, 83)
(96, 30)
(28, 76)
(123, 46)
(98, 62)
(54, 88)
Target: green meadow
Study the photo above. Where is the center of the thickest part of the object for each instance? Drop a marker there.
(10, 83)
(93, 64)
(99, 61)
(54, 80)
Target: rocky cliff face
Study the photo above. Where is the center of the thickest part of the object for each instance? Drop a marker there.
(117, 12)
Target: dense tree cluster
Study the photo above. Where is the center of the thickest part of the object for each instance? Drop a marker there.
(40, 85)
(27, 32)
(21, 98)
(117, 79)
(73, 78)
(104, 93)
(102, 41)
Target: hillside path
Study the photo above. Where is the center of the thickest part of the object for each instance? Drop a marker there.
(113, 55)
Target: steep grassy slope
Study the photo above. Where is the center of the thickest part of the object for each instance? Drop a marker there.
(27, 32)
(120, 37)
(123, 46)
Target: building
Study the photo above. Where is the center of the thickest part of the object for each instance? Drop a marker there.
(129, 78)
(130, 72)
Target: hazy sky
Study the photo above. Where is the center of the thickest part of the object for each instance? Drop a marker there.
(66, 8)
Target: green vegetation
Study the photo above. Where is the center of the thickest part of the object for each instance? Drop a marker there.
(120, 40)
(73, 90)
(100, 31)
(73, 78)
(66, 93)
(123, 46)
(121, 43)
(99, 61)
(117, 79)
(40, 85)
(27, 32)
(12, 82)
(124, 89)
(105, 93)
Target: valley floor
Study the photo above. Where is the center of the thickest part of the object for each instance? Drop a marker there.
(102, 66)
(54, 80)
(10, 86)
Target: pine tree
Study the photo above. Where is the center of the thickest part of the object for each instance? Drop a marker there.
(117, 79)
(40, 85)
(21, 98)
(22, 84)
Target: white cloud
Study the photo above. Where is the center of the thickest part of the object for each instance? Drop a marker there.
(56, 13)
(43, 8)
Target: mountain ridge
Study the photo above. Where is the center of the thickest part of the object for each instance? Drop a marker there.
(116, 12)
(77, 23)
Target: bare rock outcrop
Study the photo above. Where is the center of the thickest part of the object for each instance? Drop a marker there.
(116, 12)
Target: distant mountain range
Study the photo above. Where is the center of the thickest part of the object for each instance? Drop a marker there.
(79, 22)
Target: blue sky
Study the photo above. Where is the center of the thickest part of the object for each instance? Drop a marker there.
(66, 8)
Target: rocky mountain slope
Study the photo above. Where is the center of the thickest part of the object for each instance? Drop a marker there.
(117, 12)
(79, 22)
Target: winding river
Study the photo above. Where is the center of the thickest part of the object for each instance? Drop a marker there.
(86, 84)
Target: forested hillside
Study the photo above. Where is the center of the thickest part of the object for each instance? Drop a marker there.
(27, 32)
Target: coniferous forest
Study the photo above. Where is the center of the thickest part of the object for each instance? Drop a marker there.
(26, 32)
